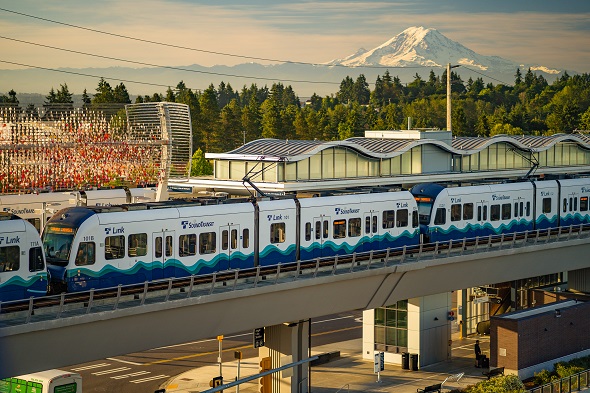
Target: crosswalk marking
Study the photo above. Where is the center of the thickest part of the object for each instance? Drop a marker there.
(91, 367)
(111, 371)
(150, 378)
(136, 374)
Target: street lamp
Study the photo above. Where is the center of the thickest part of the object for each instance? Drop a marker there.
(449, 67)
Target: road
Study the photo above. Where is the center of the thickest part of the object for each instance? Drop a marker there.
(145, 371)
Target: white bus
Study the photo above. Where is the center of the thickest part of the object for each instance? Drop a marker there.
(50, 381)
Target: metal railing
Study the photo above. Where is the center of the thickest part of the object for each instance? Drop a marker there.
(162, 291)
(573, 383)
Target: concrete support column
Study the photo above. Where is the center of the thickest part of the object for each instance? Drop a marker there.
(284, 344)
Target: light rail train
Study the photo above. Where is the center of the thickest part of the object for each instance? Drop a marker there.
(22, 264)
(102, 247)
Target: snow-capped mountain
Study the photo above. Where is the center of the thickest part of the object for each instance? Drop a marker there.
(415, 46)
(428, 47)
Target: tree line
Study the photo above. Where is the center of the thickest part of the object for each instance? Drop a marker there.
(224, 118)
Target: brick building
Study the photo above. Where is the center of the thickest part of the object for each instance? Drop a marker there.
(528, 341)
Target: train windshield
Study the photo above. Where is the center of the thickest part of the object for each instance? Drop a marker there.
(57, 243)
(424, 209)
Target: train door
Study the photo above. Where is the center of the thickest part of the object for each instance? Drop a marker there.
(320, 232)
(482, 218)
(369, 231)
(230, 244)
(162, 250)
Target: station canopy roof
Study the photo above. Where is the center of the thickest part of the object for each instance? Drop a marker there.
(381, 148)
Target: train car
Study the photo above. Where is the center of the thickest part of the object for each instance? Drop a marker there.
(22, 264)
(467, 212)
(35, 208)
(574, 201)
(102, 247)
(340, 225)
(546, 206)
(277, 232)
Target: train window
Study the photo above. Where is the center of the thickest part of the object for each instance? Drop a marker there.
(440, 218)
(479, 213)
(564, 205)
(374, 224)
(86, 254)
(137, 245)
(506, 211)
(494, 212)
(485, 212)
(207, 243)
(246, 238)
(354, 227)
(415, 219)
(521, 209)
(325, 232)
(36, 259)
(158, 247)
(9, 259)
(584, 204)
(307, 231)
(402, 218)
(456, 212)
(528, 209)
(277, 232)
(187, 245)
(114, 247)
(339, 229)
(546, 205)
(388, 219)
(571, 203)
(318, 229)
(515, 209)
(36, 223)
(368, 224)
(224, 240)
(234, 239)
(168, 249)
(575, 204)
(468, 211)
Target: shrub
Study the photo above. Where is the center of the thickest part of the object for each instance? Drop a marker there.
(500, 384)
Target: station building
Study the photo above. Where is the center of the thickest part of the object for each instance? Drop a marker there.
(400, 159)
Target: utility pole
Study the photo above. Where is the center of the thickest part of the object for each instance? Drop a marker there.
(449, 67)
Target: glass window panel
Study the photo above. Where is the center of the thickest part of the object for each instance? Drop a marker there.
(224, 239)
(402, 218)
(339, 229)
(417, 159)
(207, 243)
(390, 336)
(318, 229)
(402, 338)
(506, 211)
(308, 231)
(456, 212)
(351, 163)
(368, 224)
(328, 164)
(354, 227)
(234, 239)
(158, 247)
(380, 316)
(468, 211)
(114, 247)
(315, 166)
(402, 319)
(374, 224)
(440, 217)
(36, 259)
(246, 238)
(379, 335)
(277, 232)
(495, 212)
(391, 317)
(290, 171)
(137, 245)
(168, 248)
(546, 205)
(187, 245)
(388, 219)
(407, 163)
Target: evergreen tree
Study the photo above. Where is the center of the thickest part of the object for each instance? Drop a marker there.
(12, 97)
(345, 94)
(230, 127)
(170, 97)
(51, 97)
(360, 90)
(63, 95)
(200, 166)
(271, 119)
(251, 119)
(208, 126)
(518, 77)
(104, 93)
(121, 95)
(85, 98)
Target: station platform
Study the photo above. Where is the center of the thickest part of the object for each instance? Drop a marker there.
(350, 372)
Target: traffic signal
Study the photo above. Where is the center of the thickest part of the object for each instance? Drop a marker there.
(451, 316)
(216, 381)
(266, 381)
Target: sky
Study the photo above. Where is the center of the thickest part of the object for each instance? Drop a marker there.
(549, 33)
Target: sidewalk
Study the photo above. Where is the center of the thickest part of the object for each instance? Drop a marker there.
(349, 373)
